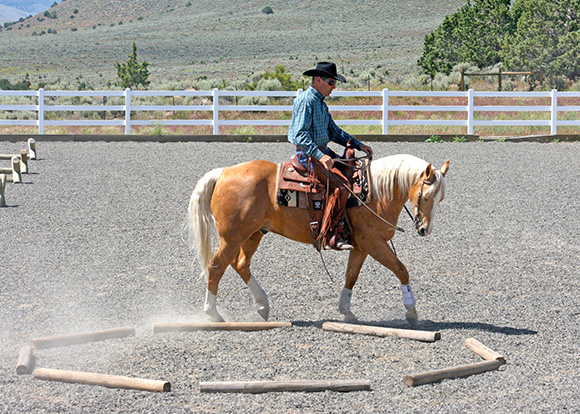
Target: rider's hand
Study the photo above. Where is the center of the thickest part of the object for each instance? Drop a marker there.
(367, 150)
(327, 161)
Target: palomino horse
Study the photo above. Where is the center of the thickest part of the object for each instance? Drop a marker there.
(240, 203)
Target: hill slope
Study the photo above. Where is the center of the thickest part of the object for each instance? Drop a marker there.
(230, 39)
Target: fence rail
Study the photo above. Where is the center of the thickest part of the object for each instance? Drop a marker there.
(386, 109)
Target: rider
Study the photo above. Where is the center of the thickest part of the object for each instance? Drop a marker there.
(311, 129)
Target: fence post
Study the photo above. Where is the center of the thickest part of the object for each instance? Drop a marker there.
(385, 111)
(470, 112)
(554, 117)
(216, 114)
(128, 111)
(41, 111)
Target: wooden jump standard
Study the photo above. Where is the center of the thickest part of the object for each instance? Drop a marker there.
(2, 188)
(110, 381)
(492, 363)
(19, 166)
(62, 340)
(219, 326)
(23, 157)
(14, 171)
(31, 153)
(425, 336)
(256, 387)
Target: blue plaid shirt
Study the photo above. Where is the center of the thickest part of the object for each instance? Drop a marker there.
(312, 126)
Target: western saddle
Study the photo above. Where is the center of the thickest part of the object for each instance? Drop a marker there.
(315, 189)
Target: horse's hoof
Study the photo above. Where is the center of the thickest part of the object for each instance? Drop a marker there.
(412, 317)
(264, 311)
(350, 318)
(215, 316)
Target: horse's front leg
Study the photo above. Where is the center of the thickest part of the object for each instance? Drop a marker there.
(382, 253)
(355, 262)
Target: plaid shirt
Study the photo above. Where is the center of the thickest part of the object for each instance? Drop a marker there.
(312, 126)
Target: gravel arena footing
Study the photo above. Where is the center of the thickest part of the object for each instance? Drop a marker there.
(93, 240)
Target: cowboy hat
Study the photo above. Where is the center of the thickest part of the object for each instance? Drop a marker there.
(325, 69)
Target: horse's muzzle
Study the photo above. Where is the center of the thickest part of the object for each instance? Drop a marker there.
(421, 229)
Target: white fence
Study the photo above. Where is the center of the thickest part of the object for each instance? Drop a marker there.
(468, 120)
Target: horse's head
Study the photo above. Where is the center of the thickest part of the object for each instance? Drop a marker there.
(425, 195)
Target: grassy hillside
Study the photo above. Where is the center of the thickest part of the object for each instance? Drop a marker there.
(218, 39)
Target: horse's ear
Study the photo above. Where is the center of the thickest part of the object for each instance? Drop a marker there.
(445, 168)
(429, 174)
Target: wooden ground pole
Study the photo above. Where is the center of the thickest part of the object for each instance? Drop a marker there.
(425, 336)
(110, 381)
(453, 372)
(256, 387)
(62, 340)
(219, 326)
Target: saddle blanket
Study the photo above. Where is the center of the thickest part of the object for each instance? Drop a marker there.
(291, 191)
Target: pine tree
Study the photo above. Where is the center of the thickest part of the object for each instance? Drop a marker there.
(132, 73)
(472, 34)
(547, 39)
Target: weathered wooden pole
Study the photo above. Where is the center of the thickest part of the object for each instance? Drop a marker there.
(110, 381)
(62, 340)
(483, 351)
(256, 387)
(425, 336)
(219, 326)
(453, 372)
(25, 360)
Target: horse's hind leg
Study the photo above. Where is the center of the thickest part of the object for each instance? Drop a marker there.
(222, 259)
(242, 265)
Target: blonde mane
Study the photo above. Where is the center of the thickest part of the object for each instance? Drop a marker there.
(401, 171)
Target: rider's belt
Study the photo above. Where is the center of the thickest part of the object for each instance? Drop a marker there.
(320, 147)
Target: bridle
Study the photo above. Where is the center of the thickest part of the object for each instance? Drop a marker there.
(415, 219)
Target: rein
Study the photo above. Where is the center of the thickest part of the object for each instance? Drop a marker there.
(329, 176)
(344, 161)
(393, 227)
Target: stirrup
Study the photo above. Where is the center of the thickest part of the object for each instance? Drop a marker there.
(342, 245)
(338, 243)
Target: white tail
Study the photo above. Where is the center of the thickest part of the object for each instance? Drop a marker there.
(201, 223)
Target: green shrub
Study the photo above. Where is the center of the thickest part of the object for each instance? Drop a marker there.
(434, 138)
(132, 74)
(157, 128)
(267, 10)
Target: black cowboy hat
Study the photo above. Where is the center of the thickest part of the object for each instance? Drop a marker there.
(325, 69)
